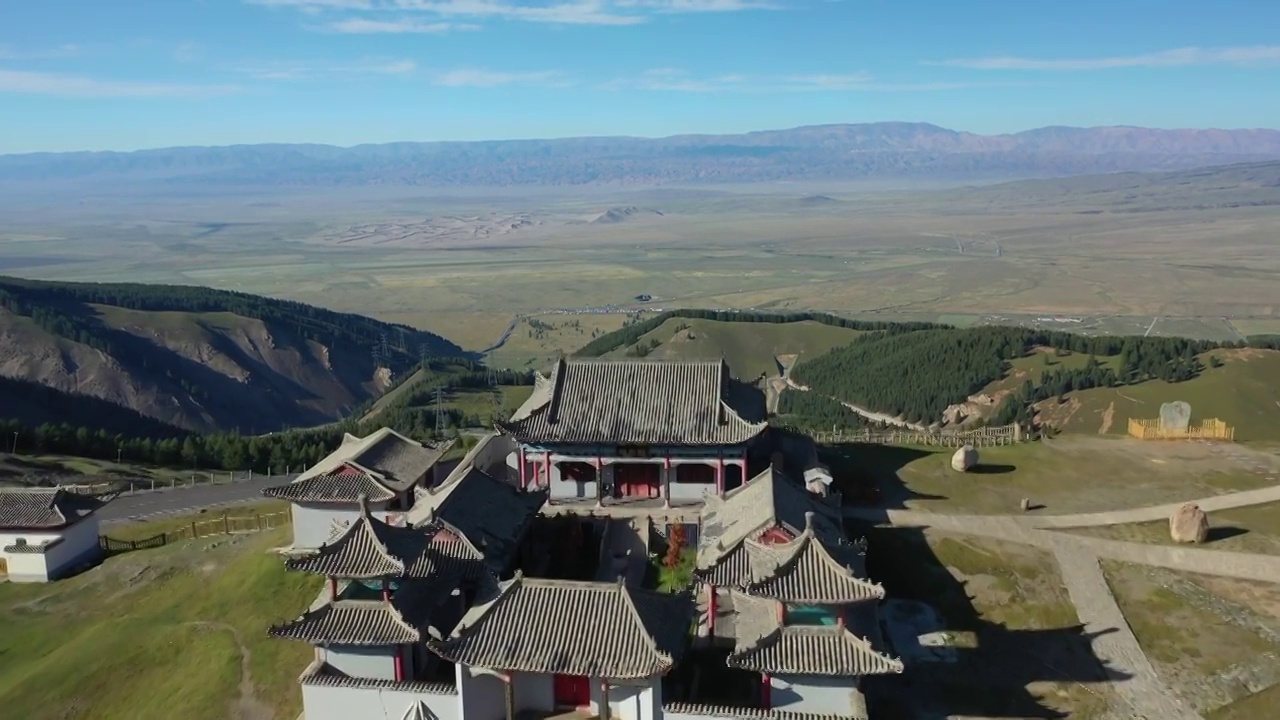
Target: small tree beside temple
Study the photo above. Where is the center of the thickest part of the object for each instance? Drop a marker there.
(676, 542)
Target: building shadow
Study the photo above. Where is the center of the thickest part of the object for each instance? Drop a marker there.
(868, 474)
(969, 665)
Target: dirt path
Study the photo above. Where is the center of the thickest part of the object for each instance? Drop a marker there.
(868, 414)
(1114, 643)
(1108, 416)
(247, 706)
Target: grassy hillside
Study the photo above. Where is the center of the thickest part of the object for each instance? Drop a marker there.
(201, 359)
(751, 349)
(1244, 392)
(178, 631)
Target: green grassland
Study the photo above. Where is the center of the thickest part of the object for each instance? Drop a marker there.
(177, 631)
(1244, 392)
(1179, 624)
(1068, 474)
(750, 349)
(1254, 529)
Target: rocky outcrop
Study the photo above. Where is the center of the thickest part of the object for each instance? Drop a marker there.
(1189, 524)
(964, 459)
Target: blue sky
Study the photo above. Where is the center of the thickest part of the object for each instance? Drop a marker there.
(126, 74)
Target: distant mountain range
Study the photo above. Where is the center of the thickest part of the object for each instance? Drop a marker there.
(825, 152)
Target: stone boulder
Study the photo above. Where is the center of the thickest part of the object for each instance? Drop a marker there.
(964, 459)
(1189, 524)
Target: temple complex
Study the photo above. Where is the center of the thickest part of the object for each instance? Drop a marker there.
(636, 430)
(429, 609)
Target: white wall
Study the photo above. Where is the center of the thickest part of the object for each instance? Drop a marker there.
(323, 702)
(814, 694)
(376, 663)
(483, 696)
(79, 546)
(630, 701)
(313, 522)
(534, 691)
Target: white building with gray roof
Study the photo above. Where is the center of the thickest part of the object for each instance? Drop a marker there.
(384, 467)
(47, 533)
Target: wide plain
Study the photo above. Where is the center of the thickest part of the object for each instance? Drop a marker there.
(1136, 260)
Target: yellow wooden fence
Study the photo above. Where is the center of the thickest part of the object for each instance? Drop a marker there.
(1211, 429)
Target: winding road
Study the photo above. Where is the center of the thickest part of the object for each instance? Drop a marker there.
(185, 499)
(1145, 694)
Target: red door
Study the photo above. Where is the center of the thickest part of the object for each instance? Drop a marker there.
(636, 481)
(572, 691)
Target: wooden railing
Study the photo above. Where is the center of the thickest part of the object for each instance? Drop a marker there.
(978, 437)
(1211, 429)
(224, 525)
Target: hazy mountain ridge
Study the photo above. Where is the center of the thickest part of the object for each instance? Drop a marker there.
(201, 359)
(826, 152)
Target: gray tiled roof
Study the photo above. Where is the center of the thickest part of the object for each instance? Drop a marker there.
(379, 466)
(763, 645)
(346, 488)
(323, 674)
(32, 548)
(45, 508)
(492, 514)
(769, 499)
(574, 628)
(810, 571)
(653, 402)
(352, 622)
(371, 549)
(857, 707)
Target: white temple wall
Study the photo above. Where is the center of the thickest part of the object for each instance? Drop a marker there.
(314, 523)
(483, 695)
(79, 546)
(534, 691)
(376, 663)
(640, 701)
(323, 702)
(815, 694)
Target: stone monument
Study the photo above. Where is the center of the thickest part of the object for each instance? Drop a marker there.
(1175, 416)
(964, 459)
(1189, 524)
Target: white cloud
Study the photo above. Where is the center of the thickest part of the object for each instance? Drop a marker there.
(478, 78)
(676, 80)
(300, 70)
(1181, 57)
(403, 26)
(699, 6)
(56, 52)
(582, 12)
(74, 86)
(393, 14)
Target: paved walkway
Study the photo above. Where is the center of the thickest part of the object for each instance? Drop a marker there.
(1078, 558)
(1113, 642)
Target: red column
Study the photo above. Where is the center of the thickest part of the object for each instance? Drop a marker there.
(386, 590)
(711, 610)
(399, 659)
(766, 692)
(546, 469)
(744, 467)
(333, 588)
(523, 470)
